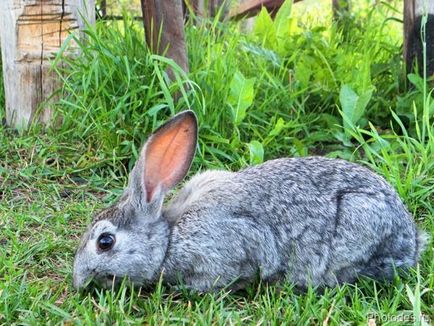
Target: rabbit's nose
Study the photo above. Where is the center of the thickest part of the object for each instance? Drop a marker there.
(81, 281)
(77, 281)
(82, 275)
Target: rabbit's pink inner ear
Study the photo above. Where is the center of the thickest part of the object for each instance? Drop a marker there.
(169, 153)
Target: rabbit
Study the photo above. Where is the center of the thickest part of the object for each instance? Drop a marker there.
(310, 221)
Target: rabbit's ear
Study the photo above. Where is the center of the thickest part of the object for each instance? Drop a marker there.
(168, 153)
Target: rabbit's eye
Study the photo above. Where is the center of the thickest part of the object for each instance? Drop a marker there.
(106, 241)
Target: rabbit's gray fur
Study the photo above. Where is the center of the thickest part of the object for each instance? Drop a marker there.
(309, 220)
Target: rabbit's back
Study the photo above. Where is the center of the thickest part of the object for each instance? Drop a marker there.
(309, 219)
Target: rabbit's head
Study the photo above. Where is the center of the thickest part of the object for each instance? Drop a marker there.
(130, 238)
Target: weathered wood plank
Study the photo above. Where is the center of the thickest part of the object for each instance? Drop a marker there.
(413, 50)
(31, 34)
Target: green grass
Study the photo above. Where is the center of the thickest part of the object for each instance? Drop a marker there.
(282, 90)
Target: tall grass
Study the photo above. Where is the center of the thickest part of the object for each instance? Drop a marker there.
(117, 91)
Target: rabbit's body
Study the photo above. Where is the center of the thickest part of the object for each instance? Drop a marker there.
(310, 220)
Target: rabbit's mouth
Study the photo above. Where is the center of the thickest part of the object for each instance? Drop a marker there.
(108, 280)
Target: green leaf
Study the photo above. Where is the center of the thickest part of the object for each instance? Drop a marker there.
(304, 70)
(278, 127)
(241, 96)
(256, 152)
(417, 81)
(283, 22)
(353, 106)
(264, 28)
(299, 147)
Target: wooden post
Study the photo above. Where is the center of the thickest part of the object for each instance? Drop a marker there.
(413, 49)
(32, 32)
(165, 16)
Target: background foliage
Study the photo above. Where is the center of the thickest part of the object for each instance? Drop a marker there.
(299, 85)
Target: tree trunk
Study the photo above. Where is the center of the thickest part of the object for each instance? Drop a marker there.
(165, 16)
(413, 47)
(31, 33)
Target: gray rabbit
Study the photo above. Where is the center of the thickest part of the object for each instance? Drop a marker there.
(308, 220)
